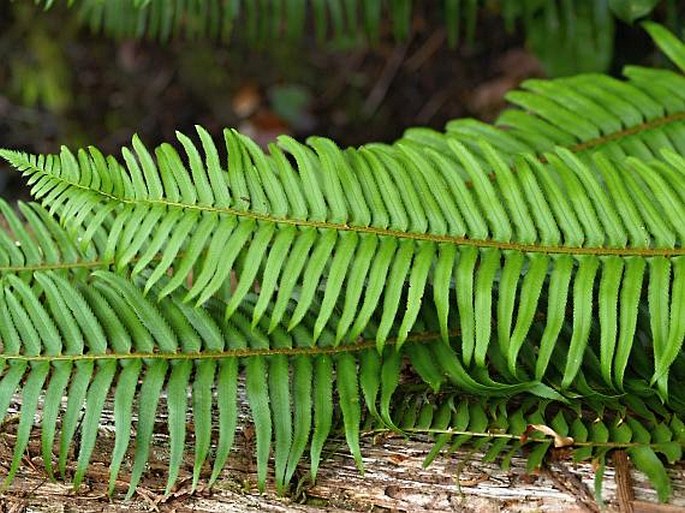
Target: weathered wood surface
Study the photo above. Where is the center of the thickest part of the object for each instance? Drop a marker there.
(394, 481)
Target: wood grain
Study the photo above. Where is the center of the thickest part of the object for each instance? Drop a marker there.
(394, 481)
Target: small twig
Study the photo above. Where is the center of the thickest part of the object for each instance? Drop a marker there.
(434, 43)
(624, 482)
(379, 91)
(150, 498)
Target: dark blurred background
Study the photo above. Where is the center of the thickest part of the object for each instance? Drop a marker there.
(60, 84)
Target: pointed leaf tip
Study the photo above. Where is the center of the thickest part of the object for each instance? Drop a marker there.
(631, 10)
(667, 43)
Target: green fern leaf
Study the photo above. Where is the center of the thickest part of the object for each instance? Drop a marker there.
(94, 337)
(553, 215)
(534, 245)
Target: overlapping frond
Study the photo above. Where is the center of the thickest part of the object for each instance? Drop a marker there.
(98, 339)
(490, 248)
(502, 429)
(546, 259)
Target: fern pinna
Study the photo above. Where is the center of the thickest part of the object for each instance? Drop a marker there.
(544, 259)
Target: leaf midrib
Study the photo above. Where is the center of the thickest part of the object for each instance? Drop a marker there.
(627, 132)
(58, 266)
(513, 437)
(429, 237)
(363, 345)
(384, 232)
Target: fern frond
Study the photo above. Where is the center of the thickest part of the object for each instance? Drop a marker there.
(639, 117)
(503, 429)
(540, 225)
(93, 336)
(102, 334)
(69, 327)
(587, 114)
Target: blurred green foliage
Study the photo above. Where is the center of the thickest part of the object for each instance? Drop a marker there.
(39, 72)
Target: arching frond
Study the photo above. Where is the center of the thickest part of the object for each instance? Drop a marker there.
(492, 248)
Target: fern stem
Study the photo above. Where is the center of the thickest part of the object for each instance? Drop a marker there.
(633, 130)
(363, 345)
(93, 264)
(397, 234)
(510, 436)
